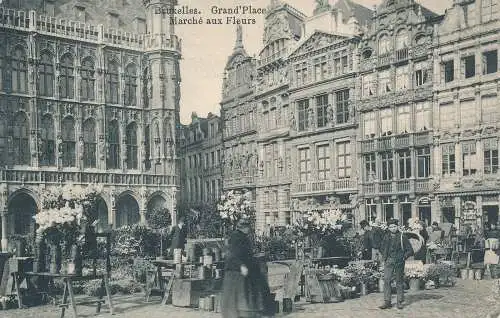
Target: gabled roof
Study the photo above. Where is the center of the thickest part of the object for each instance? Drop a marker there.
(315, 41)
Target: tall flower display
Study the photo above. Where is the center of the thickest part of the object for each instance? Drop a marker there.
(235, 205)
(315, 224)
(65, 210)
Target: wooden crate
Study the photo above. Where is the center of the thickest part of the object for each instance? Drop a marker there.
(187, 292)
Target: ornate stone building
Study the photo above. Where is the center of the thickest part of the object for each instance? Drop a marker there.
(466, 88)
(394, 99)
(83, 102)
(239, 117)
(201, 175)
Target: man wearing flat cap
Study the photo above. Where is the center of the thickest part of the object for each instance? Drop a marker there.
(396, 249)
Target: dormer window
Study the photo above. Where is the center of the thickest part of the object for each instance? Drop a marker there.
(79, 13)
(139, 25)
(113, 19)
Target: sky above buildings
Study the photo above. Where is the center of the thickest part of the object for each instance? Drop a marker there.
(205, 48)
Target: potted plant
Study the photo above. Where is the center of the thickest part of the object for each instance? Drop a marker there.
(415, 276)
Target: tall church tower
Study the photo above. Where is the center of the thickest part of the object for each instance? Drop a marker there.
(162, 84)
(162, 79)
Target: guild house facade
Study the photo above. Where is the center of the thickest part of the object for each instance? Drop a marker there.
(389, 112)
(89, 92)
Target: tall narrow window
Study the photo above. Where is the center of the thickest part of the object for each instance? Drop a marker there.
(423, 116)
(48, 142)
(89, 144)
(448, 70)
(387, 166)
(489, 10)
(469, 158)
(490, 156)
(370, 167)
(423, 162)
(67, 79)
(386, 121)
(321, 110)
(342, 103)
(147, 146)
(132, 146)
(130, 85)
(46, 75)
(303, 110)
(114, 145)
(19, 69)
(304, 165)
(469, 66)
(112, 83)
(448, 159)
(404, 119)
(404, 164)
(369, 123)
(68, 142)
(323, 155)
(384, 45)
(402, 77)
(371, 210)
(20, 140)
(384, 82)
(490, 62)
(344, 159)
(87, 84)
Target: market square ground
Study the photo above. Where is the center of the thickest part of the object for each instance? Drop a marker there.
(468, 299)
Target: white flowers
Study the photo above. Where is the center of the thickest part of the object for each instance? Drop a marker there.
(415, 225)
(321, 220)
(51, 218)
(234, 205)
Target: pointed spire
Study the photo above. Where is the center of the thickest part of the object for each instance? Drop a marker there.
(239, 37)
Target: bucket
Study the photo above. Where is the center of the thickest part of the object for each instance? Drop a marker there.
(414, 284)
(478, 274)
(464, 273)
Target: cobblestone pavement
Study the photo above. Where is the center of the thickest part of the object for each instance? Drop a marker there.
(468, 299)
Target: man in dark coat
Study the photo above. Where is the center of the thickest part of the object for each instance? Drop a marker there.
(372, 238)
(178, 235)
(396, 249)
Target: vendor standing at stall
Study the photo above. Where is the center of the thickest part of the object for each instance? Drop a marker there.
(178, 235)
(245, 290)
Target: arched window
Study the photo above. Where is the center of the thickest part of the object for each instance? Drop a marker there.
(20, 140)
(46, 75)
(114, 145)
(48, 142)
(88, 80)
(384, 45)
(402, 40)
(147, 145)
(89, 144)
(67, 79)
(112, 83)
(19, 68)
(68, 142)
(132, 146)
(130, 85)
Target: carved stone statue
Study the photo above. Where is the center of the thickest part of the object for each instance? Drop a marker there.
(292, 120)
(310, 118)
(331, 115)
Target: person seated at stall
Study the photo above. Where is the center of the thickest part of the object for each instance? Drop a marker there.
(372, 238)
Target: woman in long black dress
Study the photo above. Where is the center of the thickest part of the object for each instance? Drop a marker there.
(245, 289)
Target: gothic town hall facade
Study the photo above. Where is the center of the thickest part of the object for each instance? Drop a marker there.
(88, 95)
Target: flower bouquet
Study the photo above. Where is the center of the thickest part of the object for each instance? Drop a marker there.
(235, 205)
(313, 225)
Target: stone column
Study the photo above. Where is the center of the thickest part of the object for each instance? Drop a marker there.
(142, 214)
(414, 209)
(4, 241)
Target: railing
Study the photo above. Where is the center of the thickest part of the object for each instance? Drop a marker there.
(369, 188)
(402, 141)
(25, 176)
(273, 57)
(403, 186)
(384, 143)
(30, 21)
(423, 138)
(368, 145)
(324, 185)
(385, 187)
(402, 54)
(423, 186)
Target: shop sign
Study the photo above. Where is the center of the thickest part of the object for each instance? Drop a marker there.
(424, 201)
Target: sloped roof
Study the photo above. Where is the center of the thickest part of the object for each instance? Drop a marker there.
(360, 12)
(316, 40)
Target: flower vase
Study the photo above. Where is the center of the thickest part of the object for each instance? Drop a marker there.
(76, 259)
(415, 284)
(55, 258)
